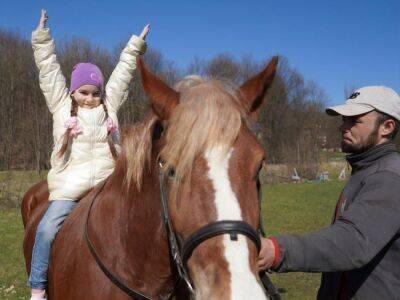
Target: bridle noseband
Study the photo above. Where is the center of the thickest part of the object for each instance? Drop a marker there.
(233, 228)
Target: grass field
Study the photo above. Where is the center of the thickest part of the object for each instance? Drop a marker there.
(287, 208)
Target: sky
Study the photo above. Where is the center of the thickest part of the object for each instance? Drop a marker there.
(339, 44)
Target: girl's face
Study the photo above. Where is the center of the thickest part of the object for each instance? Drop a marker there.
(87, 96)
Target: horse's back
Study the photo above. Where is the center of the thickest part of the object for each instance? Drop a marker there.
(73, 273)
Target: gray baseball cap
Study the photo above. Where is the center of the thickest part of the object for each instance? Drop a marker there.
(368, 98)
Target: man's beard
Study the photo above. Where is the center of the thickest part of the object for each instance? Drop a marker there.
(361, 147)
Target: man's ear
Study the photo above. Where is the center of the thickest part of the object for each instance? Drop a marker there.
(387, 127)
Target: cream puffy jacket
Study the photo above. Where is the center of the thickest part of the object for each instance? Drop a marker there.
(88, 159)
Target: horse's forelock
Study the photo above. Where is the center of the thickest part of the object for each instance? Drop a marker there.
(208, 114)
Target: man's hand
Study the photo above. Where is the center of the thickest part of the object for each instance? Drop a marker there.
(43, 19)
(267, 254)
(145, 31)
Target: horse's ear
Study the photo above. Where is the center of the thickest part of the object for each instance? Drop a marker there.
(253, 91)
(163, 99)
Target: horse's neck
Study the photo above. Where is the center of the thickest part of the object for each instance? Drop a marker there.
(130, 224)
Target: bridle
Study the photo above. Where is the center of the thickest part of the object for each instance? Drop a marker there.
(182, 250)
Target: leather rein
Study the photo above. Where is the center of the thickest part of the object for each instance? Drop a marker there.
(181, 254)
(114, 279)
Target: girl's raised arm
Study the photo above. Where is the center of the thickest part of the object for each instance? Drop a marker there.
(51, 80)
(118, 84)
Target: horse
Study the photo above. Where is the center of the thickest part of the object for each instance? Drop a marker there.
(212, 160)
(199, 140)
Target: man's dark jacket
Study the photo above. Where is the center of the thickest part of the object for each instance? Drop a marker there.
(359, 254)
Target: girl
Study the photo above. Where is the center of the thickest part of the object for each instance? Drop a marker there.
(85, 132)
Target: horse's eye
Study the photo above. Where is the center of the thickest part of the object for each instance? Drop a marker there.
(171, 173)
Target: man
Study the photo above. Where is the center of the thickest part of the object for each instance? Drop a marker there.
(359, 254)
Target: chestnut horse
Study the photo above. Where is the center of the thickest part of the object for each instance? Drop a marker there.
(212, 159)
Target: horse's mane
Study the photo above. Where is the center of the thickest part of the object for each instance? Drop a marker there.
(209, 114)
(136, 149)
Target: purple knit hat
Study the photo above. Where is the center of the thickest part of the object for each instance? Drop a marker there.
(86, 73)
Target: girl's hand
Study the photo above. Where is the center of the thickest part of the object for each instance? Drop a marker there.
(145, 31)
(43, 19)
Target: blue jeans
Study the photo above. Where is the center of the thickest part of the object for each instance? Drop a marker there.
(46, 231)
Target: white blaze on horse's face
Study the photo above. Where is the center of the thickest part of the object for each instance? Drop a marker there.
(243, 282)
